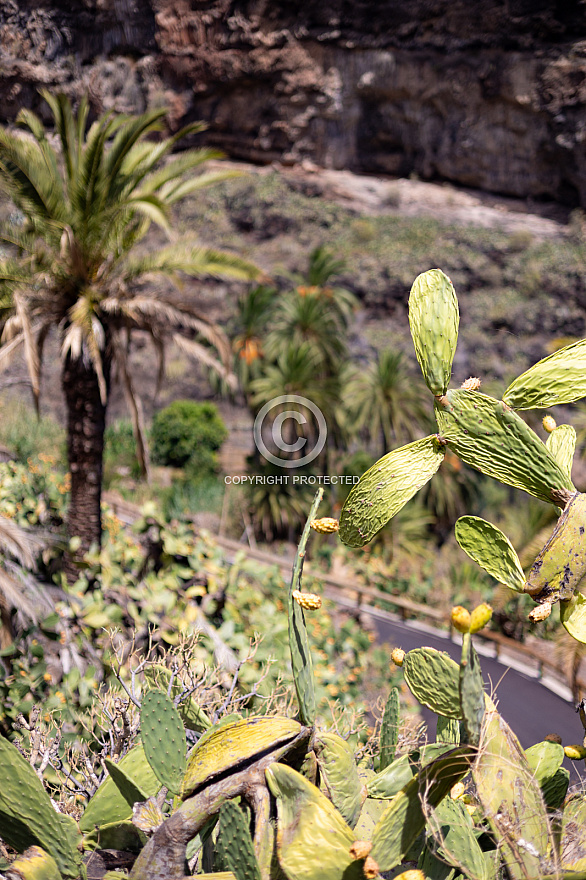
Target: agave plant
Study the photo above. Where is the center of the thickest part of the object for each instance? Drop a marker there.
(76, 267)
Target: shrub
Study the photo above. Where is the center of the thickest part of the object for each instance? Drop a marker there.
(185, 431)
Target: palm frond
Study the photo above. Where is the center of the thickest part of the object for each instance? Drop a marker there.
(135, 407)
(191, 259)
(200, 353)
(31, 353)
(28, 180)
(201, 181)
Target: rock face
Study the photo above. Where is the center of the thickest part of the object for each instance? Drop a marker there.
(490, 95)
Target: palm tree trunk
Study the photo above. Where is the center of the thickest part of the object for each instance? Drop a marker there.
(86, 423)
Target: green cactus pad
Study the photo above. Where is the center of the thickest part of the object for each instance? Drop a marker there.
(561, 564)
(434, 868)
(313, 841)
(234, 850)
(163, 738)
(389, 782)
(127, 787)
(301, 662)
(447, 731)
(434, 318)
(573, 837)
(494, 440)
(339, 774)
(433, 679)
(404, 819)
(27, 816)
(453, 831)
(562, 445)
(193, 717)
(555, 788)
(544, 760)
(511, 799)
(573, 616)
(34, 864)
(108, 805)
(491, 550)
(559, 378)
(389, 732)
(386, 487)
(229, 746)
(372, 810)
(117, 835)
(471, 691)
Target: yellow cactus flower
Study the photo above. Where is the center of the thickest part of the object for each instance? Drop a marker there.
(480, 617)
(461, 619)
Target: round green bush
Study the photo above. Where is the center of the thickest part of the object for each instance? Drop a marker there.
(184, 430)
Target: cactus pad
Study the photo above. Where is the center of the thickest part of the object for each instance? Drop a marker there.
(561, 565)
(34, 864)
(490, 437)
(234, 849)
(229, 746)
(404, 819)
(492, 550)
(27, 816)
(573, 616)
(194, 718)
(433, 679)
(163, 737)
(339, 774)
(389, 733)
(386, 487)
(562, 445)
(434, 318)
(573, 838)
(313, 841)
(511, 799)
(108, 804)
(453, 831)
(389, 782)
(447, 731)
(471, 691)
(559, 378)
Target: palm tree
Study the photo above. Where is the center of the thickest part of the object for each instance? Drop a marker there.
(387, 402)
(78, 267)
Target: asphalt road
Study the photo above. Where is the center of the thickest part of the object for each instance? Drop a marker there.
(531, 709)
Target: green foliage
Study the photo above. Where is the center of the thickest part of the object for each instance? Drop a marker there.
(163, 737)
(27, 435)
(188, 433)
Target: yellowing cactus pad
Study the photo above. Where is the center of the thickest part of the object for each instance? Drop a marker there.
(387, 487)
(309, 601)
(434, 318)
(227, 747)
(561, 565)
(562, 445)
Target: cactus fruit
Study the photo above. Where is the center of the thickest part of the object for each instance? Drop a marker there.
(491, 550)
(479, 617)
(313, 841)
(398, 656)
(562, 445)
(339, 775)
(434, 318)
(403, 820)
(34, 864)
(389, 733)
(370, 868)
(549, 424)
(575, 752)
(163, 737)
(433, 679)
(27, 816)
(490, 437)
(301, 662)
(559, 378)
(229, 746)
(460, 618)
(471, 691)
(384, 489)
(234, 850)
(327, 525)
(109, 805)
(116, 835)
(308, 601)
(360, 849)
(194, 718)
(471, 384)
(511, 799)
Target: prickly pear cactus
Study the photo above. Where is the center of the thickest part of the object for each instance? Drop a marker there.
(559, 378)
(389, 733)
(339, 774)
(34, 864)
(561, 443)
(163, 737)
(491, 550)
(447, 731)
(234, 850)
(434, 318)
(434, 679)
(573, 616)
(384, 489)
(561, 565)
(471, 691)
(389, 782)
(194, 718)
(453, 831)
(27, 816)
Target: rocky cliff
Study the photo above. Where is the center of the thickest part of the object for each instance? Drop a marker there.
(488, 94)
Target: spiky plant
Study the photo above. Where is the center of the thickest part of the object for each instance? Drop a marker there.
(18, 588)
(76, 267)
